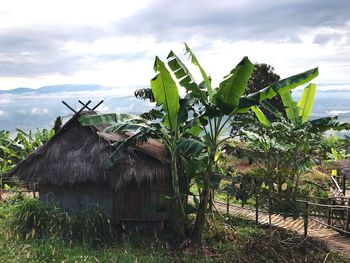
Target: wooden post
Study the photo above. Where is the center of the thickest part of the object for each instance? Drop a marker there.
(306, 218)
(256, 209)
(269, 211)
(347, 222)
(227, 203)
(344, 185)
(329, 212)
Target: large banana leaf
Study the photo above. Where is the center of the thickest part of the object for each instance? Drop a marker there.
(195, 62)
(272, 109)
(108, 118)
(190, 147)
(185, 78)
(166, 94)
(291, 107)
(233, 86)
(278, 87)
(260, 115)
(126, 127)
(121, 146)
(306, 102)
(327, 123)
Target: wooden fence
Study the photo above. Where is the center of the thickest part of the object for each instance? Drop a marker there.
(332, 212)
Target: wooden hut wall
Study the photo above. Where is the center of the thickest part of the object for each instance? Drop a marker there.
(138, 202)
(79, 197)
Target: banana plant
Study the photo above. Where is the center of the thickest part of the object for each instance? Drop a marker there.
(217, 106)
(298, 113)
(212, 109)
(172, 131)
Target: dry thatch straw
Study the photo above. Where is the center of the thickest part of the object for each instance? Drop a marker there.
(78, 154)
(343, 167)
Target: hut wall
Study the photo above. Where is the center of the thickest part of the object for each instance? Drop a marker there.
(139, 202)
(76, 198)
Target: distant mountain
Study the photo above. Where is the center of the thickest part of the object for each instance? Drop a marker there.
(55, 89)
(16, 91)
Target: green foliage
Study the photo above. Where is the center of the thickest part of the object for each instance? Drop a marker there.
(280, 87)
(32, 218)
(262, 76)
(35, 219)
(195, 62)
(166, 94)
(327, 123)
(13, 150)
(211, 109)
(280, 154)
(306, 102)
(145, 94)
(230, 239)
(335, 148)
(233, 86)
(299, 112)
(57, 124)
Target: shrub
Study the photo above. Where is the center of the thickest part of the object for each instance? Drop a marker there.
(35, 219)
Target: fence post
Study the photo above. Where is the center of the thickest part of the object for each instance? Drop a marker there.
(329, 212)
(256, 209)
(306, 218)
(269, 212)
(227, 203)
(347, 222)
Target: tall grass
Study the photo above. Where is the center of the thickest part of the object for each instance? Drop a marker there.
(35, 219)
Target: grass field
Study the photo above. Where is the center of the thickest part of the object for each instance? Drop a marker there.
(229, 240)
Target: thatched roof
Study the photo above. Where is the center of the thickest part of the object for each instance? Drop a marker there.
(78, 154)
(343, 167)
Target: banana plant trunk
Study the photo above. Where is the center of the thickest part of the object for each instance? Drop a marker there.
(204, 197)
(180, 215)
(200, 218)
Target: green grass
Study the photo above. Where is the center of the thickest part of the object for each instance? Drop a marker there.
(226, 240)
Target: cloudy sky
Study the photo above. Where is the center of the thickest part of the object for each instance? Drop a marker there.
(114, 42)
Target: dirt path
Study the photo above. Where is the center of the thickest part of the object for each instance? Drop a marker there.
(334, 239)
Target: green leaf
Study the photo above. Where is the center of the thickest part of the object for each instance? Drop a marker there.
(183, 110)
(190, 209)
(185, 78)
(190, 147)
(166, 94)
(327, 123)
(121, 146)
(233, 86)
(279, 87)
(306, 102)
(272, 109)
(195, 62)
(88, 120)
(292, 109)
(260, 115)
(194, 130)
(126, 126)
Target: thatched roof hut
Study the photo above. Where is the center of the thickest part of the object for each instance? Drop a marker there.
(71, 168)
(343, 167)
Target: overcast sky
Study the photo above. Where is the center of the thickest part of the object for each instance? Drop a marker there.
(114, 42)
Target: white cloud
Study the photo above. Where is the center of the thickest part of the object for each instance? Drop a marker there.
(113, 43)
(5, 100)
(3, 113)
(39, 111)
(77, 12)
